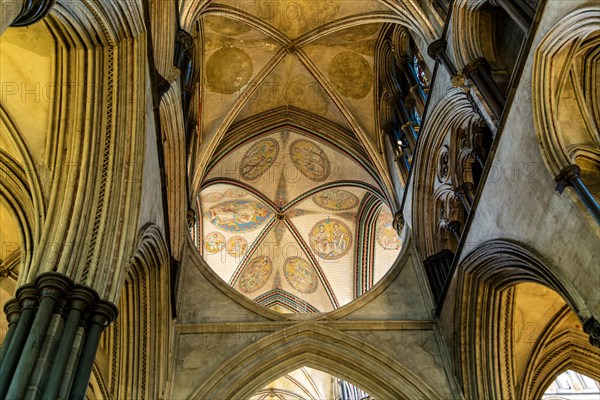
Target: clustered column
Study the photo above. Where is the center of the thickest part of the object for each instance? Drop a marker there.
(54, 331)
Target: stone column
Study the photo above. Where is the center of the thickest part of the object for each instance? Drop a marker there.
(479, 71)
(51, 288)
(416, 91)
(102, 315)
(27, 298)
(454, 227)
(13, 312)
(81, 299)
(40, 355)
(520, 12)
(22, 12)
(569, 176)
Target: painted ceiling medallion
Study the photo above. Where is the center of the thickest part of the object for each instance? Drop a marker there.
(336, 200)
(387, 237)
(236, 246)
(300, 275)
(310, 160)
(228, 70)
(238, 215)
(214, 242)
(330, 239)
(258, 159)
(213, 197)
(235, 193)
(256, 274)
(351, 75)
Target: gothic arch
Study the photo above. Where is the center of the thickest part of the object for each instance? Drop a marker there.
(554, 353)
(94, 154)
(318, 347)
(138, 343)
(20, 188)
(174, 152)
(487, 280)
(564, 73)
(437, 129)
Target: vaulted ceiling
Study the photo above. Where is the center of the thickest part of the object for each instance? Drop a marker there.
(292, 183)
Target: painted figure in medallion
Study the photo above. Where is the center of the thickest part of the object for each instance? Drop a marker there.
(214, 242)
(300, 275)
(335, 200)
(386, 235)
(258, 159)
(238, 215)
(256, 274)
(236, 246)
(330, 239)
(310, 160)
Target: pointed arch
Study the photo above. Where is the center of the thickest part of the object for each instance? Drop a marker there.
(330, 351)
(139, 342)
(486, 281)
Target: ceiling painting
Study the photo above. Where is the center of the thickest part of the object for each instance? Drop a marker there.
(351, 75)
(330, 239)
(280, 219)
(336, 200)
(258, 159)
(310, 160)
(301, 275)
(214, 242)
(255, 274)
(236, 246)
(238, 215)
(387, 237)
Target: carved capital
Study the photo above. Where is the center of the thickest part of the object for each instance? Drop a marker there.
(53, 284)
(103, 313)
(162, 84)
(33, 11)
(12, 309)
(566, 176)
(27, 296)
(82, 297)
(191, 218)
(475, 66)
(436, 48)
(399, 222)
(592, 328)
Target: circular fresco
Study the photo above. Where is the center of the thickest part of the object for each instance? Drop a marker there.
(235, 193)
(228, 70)
(336, 200)
(300, 275)
(226, 26)
(310, 160)
(236, 246)
(213, 197)
(330, 239)
(256, 274)
(214, 242)
(351, 75)
(238, 215)
(386, 235)
(258, 159)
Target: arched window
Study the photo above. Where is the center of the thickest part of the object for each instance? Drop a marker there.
(404, 86)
